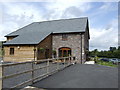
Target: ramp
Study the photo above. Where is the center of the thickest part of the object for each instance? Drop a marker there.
(82, 76)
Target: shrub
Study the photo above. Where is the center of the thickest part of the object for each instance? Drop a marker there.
(41, 50)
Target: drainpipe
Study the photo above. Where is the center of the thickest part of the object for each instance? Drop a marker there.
(81, 48)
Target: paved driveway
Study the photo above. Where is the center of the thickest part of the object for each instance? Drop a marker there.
(82, 76)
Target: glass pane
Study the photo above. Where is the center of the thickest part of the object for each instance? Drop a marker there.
(60, 53)
(11, 51)
(69, 52)
(65, 53)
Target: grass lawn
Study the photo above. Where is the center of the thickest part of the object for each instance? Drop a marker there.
(99, 62)
(106, 63)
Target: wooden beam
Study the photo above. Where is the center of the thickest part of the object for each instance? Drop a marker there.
(1, 75)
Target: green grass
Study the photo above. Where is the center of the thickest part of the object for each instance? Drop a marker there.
(106, 63)
(99, 62)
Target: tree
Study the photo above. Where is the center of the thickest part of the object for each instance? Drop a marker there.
(112, 53)
(95, 52)
(112, 48)
(118, 47)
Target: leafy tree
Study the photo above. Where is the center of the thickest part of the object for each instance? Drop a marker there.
(118, 47)
(112, 48)
(112, 53)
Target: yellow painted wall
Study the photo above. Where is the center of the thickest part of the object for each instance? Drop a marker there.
(23, 53)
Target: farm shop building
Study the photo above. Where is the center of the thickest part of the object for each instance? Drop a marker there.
(48, 39)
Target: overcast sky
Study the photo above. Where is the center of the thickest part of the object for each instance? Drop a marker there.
(103, 18)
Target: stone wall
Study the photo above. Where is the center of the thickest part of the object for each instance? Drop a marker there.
(73, 42)
(86, 40)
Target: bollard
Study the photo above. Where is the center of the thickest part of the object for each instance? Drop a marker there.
(1, 75)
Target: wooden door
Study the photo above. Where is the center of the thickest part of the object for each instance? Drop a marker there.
(64, 52)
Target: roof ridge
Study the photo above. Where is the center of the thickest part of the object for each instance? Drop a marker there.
(62, 19)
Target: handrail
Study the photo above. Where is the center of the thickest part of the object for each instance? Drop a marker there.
(16, 63)
(34, 69)
(27, 71)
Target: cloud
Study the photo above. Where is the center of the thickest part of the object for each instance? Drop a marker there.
(105, 6)
(102, 39)
(71, 12)
(104, 10)
(57, 0)
(108, 6)
(66, 9)
(23, 9)
(17, 15)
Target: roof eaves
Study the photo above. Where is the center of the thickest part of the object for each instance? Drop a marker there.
(9, 44)
(11, 35)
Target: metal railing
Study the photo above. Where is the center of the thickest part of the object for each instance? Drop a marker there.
(12, 70)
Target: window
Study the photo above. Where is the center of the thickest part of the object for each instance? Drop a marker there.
(64, 37)
(11, 51)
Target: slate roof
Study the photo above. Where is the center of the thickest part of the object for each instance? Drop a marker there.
(37, 31)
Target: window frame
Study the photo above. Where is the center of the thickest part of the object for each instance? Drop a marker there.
(64, 37)
(12, 51)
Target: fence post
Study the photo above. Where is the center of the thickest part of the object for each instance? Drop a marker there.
(47, 66)
(69, 61)
(64, 62)
(32, 72)
(1, 75)
(57, 64)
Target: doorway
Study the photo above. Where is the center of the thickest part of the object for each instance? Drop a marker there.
(64, 52)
